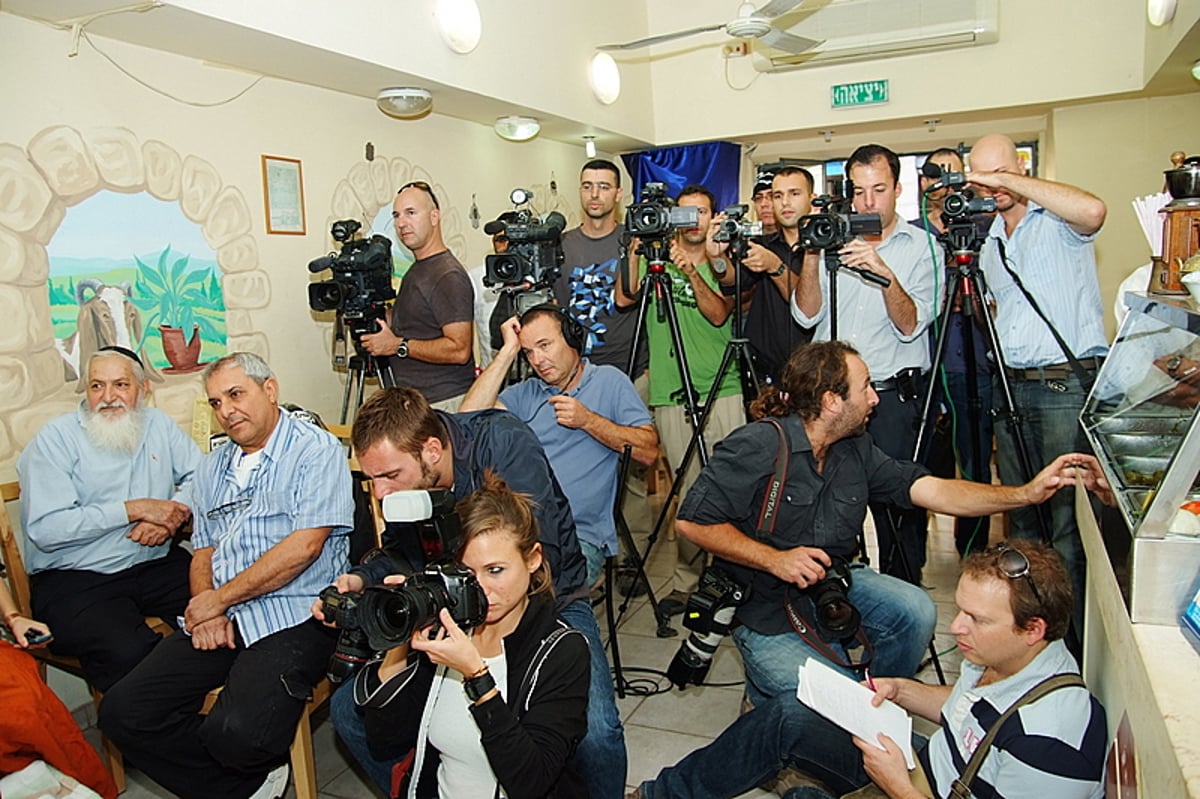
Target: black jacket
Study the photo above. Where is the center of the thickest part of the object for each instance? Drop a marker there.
(528, 739)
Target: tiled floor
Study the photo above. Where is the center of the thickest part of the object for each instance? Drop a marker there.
(662, 727)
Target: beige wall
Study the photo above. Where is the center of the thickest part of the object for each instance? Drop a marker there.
(52, 97)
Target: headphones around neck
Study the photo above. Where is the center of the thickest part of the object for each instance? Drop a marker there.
(573, 332)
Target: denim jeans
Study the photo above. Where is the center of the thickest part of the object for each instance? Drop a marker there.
(1051, 428)
(600, 758)
(897, 617)
(594, 557)
(756, 746)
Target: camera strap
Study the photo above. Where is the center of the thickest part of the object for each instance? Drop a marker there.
(770, 505)
(1086, 378)
(806, 628)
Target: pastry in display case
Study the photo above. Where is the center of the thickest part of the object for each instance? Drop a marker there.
(1141, 421)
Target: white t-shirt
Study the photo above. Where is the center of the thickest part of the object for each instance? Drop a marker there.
(464, 771)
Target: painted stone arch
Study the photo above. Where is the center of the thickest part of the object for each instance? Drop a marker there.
(61, 167)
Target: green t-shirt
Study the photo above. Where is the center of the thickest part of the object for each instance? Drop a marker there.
(703, 343)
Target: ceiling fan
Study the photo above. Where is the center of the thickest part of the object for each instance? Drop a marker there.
(750, 23)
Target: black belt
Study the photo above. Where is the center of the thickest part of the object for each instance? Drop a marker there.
(1054, 371)
(890, 383)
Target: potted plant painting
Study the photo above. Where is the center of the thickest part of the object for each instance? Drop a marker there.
(184, 304)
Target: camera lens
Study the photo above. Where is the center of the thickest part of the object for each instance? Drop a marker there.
(954, 205)
(837, 615)
(325, 296)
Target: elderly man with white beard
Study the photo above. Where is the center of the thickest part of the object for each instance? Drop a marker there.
(100, 512)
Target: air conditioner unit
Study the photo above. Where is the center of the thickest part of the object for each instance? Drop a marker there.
(855, 30)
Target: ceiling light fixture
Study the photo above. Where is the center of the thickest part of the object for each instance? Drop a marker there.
(589, 146)
(404, 102)
(1160, 12)
(517, 128)
(1196, 70)
(458, 22)
(605, 78)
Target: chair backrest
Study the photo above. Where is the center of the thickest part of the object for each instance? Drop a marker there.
(10, 549)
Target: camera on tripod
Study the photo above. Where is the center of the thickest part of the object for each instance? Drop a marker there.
(382, 617)
(960, 202)
(362, 278)
(534, 257)
(656, 216)
(734, 226)
(835, 224)
(709, 615)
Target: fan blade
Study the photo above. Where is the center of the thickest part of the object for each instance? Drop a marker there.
(664, 37)
(789, 43)
(777, 8)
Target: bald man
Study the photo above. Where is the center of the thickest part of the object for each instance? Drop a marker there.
(428, 345)
(1042, 235)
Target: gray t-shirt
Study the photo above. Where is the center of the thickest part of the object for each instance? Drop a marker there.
(587, 286)
(435, 292)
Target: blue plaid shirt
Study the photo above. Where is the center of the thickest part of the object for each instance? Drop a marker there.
(302, 481)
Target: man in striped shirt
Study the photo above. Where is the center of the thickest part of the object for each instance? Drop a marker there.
(272, 509)
(1040, 247)
(1014, 605)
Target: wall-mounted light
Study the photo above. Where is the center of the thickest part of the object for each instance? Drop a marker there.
(1160, 12)
(517, 128)
(605, 78)
(458, 22)
(589, 146)
(404, 102)
(1196, 70)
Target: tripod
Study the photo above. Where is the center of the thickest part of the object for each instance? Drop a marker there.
(963, 242)
(657, 287)
(359, 366)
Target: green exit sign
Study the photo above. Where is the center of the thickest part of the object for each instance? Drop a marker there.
(867, 92)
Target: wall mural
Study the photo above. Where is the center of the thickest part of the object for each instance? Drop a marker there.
(165, 303)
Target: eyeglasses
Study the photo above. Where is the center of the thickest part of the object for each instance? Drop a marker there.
(229, 508)
(422, 186)
(1014, 565)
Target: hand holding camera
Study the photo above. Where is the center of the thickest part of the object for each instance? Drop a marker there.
(447, 644)
(800, 566)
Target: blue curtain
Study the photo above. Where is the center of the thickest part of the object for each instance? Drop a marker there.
(714, 165)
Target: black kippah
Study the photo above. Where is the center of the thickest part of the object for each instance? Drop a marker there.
(128, 353)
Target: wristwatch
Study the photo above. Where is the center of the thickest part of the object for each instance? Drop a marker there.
(1173, 364)
(782, 268)
(477, 685)
(402, 348)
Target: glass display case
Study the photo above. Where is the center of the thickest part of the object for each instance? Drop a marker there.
(1141, 421)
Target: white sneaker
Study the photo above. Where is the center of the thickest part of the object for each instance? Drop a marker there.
(274, 785)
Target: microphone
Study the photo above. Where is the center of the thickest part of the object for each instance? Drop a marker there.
(320, 264)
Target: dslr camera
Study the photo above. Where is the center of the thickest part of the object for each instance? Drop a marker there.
(655, 216)
(709, 615)
(382, 617)
(835, 224)
(534, 257)
(835, 616)
(362, 278)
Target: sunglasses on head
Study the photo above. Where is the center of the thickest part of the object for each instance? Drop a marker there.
(1015, 566)
(421, 186)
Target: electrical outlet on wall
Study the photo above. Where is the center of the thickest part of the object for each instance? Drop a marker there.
(736, 49)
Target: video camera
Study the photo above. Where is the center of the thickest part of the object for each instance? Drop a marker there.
(734, 230)
(384, 616)
(362, 278)
(534, 257)
(655, 216)
(836, 223)
(960, 207)
(709, 615)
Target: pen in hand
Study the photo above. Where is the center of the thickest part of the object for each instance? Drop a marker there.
(870, 682)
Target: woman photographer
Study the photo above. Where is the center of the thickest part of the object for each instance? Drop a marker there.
(502, 707)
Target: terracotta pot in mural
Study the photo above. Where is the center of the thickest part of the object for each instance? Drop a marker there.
(183, 355)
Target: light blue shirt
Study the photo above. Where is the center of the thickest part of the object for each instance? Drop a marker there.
(862, 317)
(1058, 267)
(585, 468)
(73, 493)
(302, 481)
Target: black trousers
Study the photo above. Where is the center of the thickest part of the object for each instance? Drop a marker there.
(100, 618)
(893, 427)
(153, 714)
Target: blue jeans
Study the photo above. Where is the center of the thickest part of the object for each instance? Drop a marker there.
(897, 617)
(1051, 428)
(594, 557)
(600, 758)
(780, 733)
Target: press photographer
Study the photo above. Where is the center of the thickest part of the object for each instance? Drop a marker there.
(783, 500)
(879, 295)
(428, 344)
(515, 742)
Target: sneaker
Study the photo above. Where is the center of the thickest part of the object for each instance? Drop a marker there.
(674, 604)
(274, 785)
(627, 576)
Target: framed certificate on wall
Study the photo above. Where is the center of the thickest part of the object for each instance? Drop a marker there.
(283, 194)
